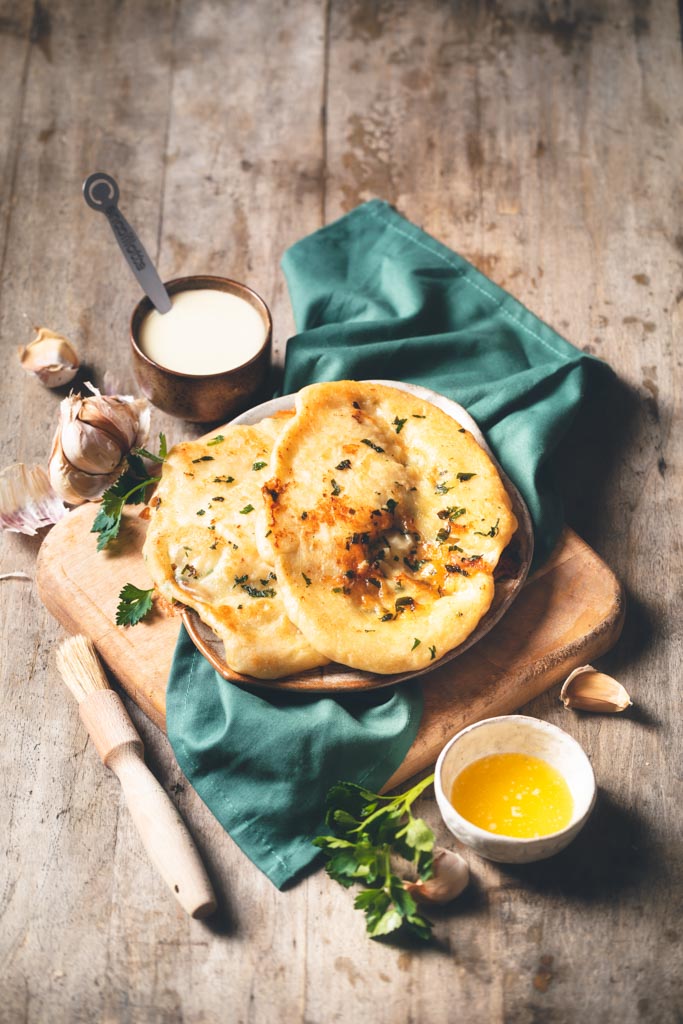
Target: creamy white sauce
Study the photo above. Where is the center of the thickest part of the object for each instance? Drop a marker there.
(205, 331)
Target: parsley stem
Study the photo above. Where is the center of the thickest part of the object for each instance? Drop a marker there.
(403, 800)
(412, 794)
(387, 870)
(145, 483)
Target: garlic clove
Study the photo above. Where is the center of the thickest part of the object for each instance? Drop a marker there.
(72, 484)
(84, 444)
(114, 417)
(93, 438)
(50, 357)
(130, 417)
(450, 878)
(586, 689)
(89, 449)
(27, 501)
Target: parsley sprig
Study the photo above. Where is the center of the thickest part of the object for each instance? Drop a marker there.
(368, 829)
(134, 604)
(129, 489)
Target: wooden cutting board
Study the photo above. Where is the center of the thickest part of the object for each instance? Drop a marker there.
(568, 613)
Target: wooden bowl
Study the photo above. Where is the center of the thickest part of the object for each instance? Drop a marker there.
(202, 398)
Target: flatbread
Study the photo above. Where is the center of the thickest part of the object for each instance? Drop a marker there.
(384, 520)
(200, 550)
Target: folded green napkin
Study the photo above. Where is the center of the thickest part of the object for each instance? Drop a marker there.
(373, 297)
(376, 297)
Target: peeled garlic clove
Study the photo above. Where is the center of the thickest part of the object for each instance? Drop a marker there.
(590, 690)
(50, 357)
(451, 875)
(27, 501)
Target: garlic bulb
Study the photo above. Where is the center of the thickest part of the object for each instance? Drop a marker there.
(50, 357)
(93, 438)
(451, 875)
(590, 690)
(27, 501)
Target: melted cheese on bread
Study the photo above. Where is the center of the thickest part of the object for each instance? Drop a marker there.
(200, 549)
(384, 520)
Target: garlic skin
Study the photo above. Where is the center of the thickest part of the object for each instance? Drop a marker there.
(586, 689)
(93, 438)
(450, 878)
(50, 357)
(27, 501)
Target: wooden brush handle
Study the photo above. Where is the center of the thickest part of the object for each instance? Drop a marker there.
(163, 832)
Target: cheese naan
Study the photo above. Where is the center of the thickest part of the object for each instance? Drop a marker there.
(200, 549)
(384, 521)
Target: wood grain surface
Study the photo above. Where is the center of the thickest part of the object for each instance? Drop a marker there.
(543, 140)
(569, 612)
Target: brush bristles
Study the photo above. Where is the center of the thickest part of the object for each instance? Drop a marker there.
(80, 668)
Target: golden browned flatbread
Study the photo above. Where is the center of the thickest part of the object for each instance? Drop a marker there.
(384, 522)
(200, 550)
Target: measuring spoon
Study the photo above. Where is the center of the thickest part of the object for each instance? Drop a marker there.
(101, 193)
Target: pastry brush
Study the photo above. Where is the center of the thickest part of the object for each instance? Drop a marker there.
(162, 830)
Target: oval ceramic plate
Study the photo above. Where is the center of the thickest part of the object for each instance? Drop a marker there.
(510, 576)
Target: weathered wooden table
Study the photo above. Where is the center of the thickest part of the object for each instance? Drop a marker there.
(543, 140)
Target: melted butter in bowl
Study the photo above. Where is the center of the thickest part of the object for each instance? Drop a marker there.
(513, 794)
(515, 789)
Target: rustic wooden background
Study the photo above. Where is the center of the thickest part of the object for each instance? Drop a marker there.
(543, 140)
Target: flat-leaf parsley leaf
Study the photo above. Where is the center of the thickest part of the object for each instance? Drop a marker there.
(367, 830)
(134, 604)
(129, 489)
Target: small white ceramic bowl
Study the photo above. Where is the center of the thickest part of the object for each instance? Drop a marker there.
(522, 735)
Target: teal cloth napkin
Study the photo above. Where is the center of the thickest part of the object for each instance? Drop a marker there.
(376, 297)
(264, 764)
(373, 296)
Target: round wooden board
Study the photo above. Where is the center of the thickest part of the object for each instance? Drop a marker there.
(334, 678)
